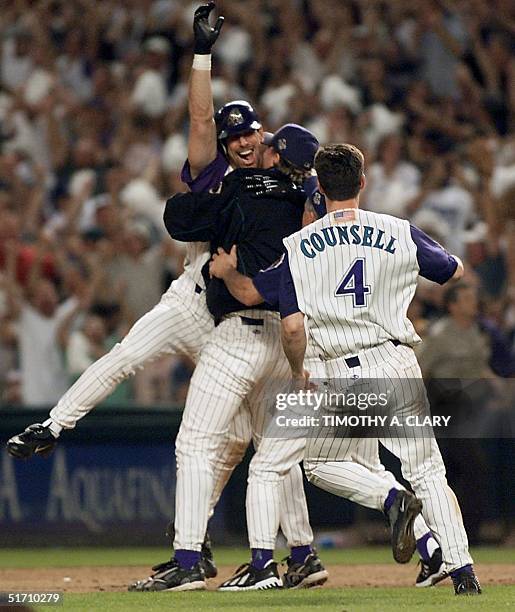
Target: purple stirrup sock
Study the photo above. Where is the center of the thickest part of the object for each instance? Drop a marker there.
(466, 568)
(299, 553)
(260, 557)
(187, 558)
(392, 494)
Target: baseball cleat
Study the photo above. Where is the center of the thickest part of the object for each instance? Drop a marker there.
(309, 574)
(432, 571)
(402, 514)
(206, 558)
(465, 582)
(248, 578)
(170, 576)
(35, 440)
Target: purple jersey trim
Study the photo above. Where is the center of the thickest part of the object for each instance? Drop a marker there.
(288, 304)
(210, 177)
(268, 281)
(435, 263)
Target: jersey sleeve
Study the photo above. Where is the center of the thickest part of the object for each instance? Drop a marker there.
(316, 199)
(288, 304)
(192, 217)
(435, 263)
(268, 282)
(210, 177)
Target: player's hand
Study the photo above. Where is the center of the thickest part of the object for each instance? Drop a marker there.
(222, 263)
(300, 381)
(204, 35)
(317, 200)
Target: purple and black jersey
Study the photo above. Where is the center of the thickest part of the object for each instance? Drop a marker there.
(211, 176)
(435, 263)
(267, 282)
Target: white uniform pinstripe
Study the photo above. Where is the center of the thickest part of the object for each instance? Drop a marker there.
(235, 364)
(357, 314)
(181, 323)
(279, 455)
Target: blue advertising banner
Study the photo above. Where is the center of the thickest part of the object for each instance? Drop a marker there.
(90, 493)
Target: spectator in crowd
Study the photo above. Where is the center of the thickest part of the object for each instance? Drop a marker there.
(93, 123)
(83, 346)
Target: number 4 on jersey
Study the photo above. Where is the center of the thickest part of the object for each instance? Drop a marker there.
(353, 283)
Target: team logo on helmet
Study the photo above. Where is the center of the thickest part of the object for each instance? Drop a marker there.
(235, 118)
(282, 144)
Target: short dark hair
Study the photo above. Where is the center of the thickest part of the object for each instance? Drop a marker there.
(296, 175)
(339, 168)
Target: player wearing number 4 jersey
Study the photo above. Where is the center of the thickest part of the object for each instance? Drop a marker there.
(350, 277)
(265, 287)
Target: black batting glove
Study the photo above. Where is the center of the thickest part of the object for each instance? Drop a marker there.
(204, 35)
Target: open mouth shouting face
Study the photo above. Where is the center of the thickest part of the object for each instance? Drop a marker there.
(244, 150)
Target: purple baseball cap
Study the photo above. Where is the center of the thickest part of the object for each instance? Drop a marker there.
(295, 144)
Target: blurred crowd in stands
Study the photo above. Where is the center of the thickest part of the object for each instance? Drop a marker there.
(93, 135)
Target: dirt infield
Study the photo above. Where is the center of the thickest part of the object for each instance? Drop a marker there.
(94, 579)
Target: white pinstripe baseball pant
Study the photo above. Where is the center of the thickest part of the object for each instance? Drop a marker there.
(330, 462)
(235, 364)
(179, 323)
(268, 468)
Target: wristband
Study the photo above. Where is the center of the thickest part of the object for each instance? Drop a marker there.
(202, 62)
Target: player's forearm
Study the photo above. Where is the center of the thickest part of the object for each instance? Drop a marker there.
(242, 288)
(294, 345)
(202, 134)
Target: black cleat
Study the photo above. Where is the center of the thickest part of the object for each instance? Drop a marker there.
(432, 571)
(169, 576)
(465, 582)
(248, 578)
(35, 440)
(206, 558)
(309, 574)
(402, 514)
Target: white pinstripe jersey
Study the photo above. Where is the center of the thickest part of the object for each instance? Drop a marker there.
(355, 273)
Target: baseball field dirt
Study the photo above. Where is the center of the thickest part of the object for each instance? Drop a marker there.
(91, 579)
(361, 580)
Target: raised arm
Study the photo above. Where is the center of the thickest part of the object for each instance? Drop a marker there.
(202, 135)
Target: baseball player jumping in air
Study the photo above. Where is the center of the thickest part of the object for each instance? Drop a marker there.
(181, 322)
(350, 277)
(241, 355)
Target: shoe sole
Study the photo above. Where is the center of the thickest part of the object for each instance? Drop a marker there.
(198, 585)
(312, 581)
(435, 578)
(269, 583)
(18, 449)
(403, 538)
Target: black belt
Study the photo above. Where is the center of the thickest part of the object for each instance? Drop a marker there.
(198, 289)
(354, 362)
(251, 321)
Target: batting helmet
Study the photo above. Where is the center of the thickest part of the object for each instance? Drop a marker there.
(235, 118)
